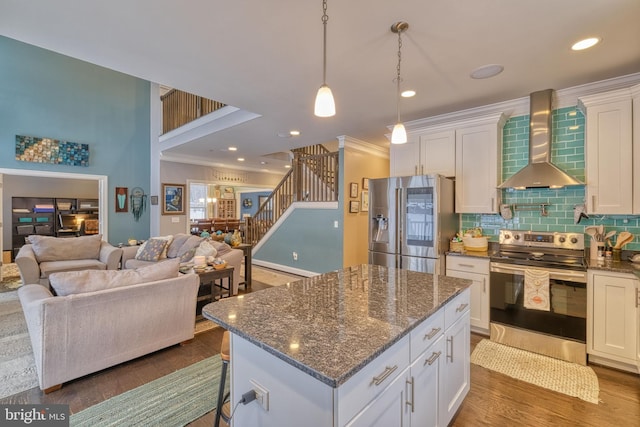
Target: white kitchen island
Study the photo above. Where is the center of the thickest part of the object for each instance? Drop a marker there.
(362, 346)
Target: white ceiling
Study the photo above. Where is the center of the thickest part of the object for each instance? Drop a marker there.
(265, 57)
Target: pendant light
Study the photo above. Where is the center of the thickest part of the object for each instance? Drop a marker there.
(325, 105)
(399, 134)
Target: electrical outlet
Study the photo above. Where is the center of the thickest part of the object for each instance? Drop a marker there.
(262, 394)
(175, 219)
(335, 224)
(295, 256)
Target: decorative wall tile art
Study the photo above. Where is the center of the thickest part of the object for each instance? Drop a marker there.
(47, 150)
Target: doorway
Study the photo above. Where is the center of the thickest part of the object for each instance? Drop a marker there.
(5, 208)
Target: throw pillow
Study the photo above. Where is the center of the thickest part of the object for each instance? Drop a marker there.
(151, 250)
(221, 247)
(206, 249)
(78, 282)
(175, 245)
(48, 248)
(188, 248)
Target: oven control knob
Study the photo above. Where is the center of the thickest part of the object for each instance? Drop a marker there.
(562, 239)
(574, 240)
(507, 236)
(516, 236)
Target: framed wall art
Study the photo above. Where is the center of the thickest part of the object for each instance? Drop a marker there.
(353, 190)
(122, 199)
(364, 201)
(365, 183)
(354, 206)
(173, 199)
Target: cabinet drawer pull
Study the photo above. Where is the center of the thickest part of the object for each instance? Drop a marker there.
(433, 358)
(467, 265)
(432, 333)
(461, 307)
(383, 376)
(410, 403)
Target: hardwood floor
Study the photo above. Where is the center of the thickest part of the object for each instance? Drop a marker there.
(494, 399)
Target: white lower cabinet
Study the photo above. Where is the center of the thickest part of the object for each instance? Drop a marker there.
(456, 371)
(426, 372)
(386, 410)
(477, 270)
(613, 319)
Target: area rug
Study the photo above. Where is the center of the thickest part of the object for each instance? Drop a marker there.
(553, 374)
(10, 278)
(17, 365)
(173, 400)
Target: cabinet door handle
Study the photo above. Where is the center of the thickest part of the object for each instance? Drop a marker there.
(461, 307)
(593, 203)
(383, 376)
(484, 285)
(433, 358)
(410, 403)
(432, 333)
(450, 355)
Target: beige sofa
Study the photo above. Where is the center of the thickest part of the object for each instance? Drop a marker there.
(46, 255)
(185, 247)
(103, 318)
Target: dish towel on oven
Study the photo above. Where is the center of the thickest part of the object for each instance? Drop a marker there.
(536, 289)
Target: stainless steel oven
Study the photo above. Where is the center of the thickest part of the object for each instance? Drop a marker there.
(557, 327)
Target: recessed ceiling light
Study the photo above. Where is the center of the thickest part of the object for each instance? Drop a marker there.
(241, 159)
(408, 93)
(586, 43)
(294, 132)
(233, 148)
(486, 71)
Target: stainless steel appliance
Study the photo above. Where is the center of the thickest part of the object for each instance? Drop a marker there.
(559, 330)
(411, 220)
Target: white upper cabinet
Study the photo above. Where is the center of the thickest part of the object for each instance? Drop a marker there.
(612, 151)
(608, 152)
(438, 152)
(405, 158)
(426, 152)
(479, 165)
(469, 150)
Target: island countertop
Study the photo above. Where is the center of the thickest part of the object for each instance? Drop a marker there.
(330, 326)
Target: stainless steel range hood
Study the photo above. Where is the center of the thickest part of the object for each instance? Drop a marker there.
(540, 172)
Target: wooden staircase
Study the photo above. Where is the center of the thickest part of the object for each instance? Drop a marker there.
(313, 177)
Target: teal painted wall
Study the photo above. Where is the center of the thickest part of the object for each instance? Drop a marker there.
(568, 154)
(311, 234)
(45, 94)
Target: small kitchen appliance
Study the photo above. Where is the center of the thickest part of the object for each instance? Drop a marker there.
(538, 293)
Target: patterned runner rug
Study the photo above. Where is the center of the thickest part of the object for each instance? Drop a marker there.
(553, 374)
(173, 400)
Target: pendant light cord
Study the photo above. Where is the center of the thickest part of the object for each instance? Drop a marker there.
(325, 19)
(398, 70)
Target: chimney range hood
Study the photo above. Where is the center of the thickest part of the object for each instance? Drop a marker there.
(540, 172)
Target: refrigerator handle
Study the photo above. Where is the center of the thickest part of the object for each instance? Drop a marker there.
(399, 225)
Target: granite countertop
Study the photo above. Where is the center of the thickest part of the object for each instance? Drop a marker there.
(330, 326)
(614, 266)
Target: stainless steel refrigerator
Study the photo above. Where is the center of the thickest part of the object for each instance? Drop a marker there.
(411, 220)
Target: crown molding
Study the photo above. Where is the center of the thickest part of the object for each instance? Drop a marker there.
(345, 141)
(519, 107)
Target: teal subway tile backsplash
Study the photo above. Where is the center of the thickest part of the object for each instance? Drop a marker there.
(568, 154)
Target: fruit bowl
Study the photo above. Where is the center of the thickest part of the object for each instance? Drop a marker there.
(220, 266)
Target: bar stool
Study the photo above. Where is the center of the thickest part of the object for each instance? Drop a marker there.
(223, 408)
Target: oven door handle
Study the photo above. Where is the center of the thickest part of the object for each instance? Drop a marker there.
(575, 276)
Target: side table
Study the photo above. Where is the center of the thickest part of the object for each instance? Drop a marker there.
(246, 248)
(209, 281)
